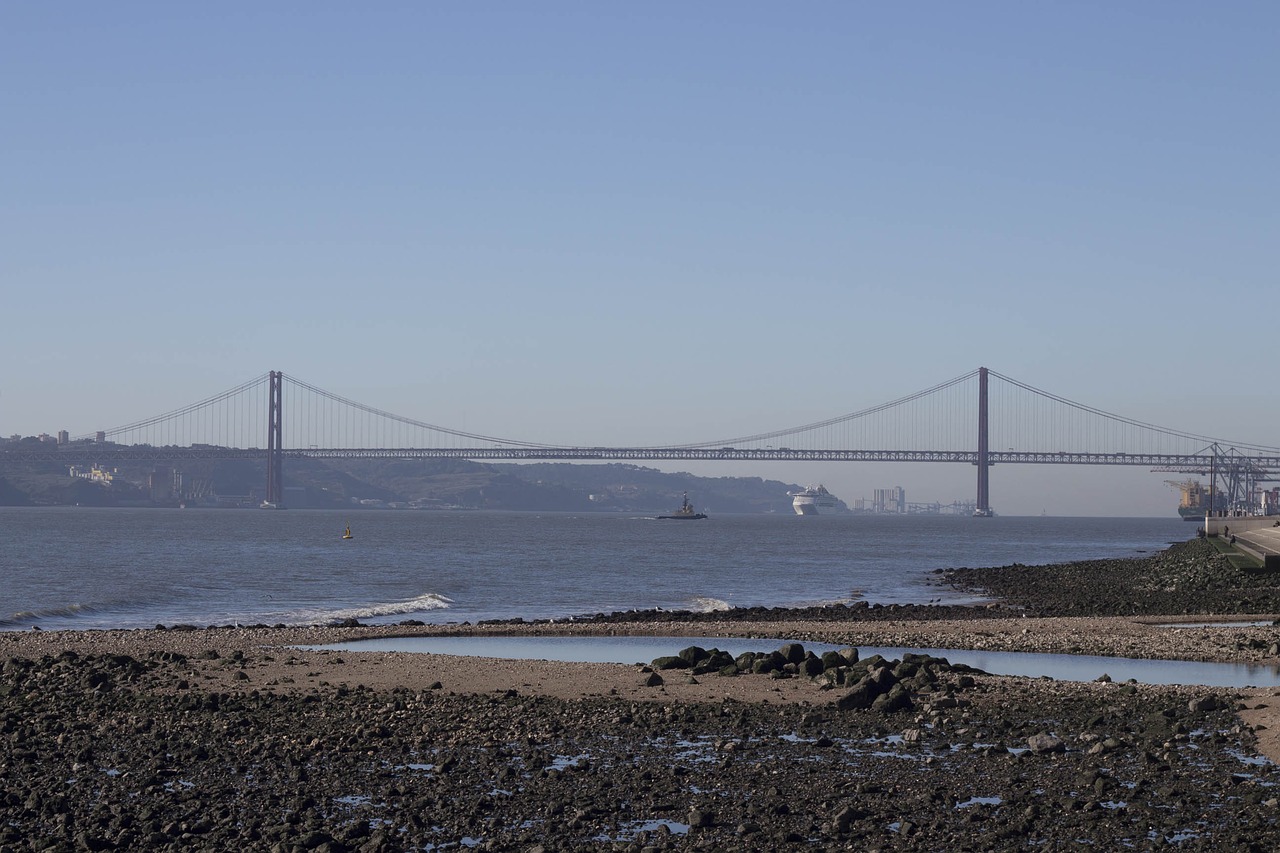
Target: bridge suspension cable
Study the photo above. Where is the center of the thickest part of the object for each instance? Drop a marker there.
(379, 413)
(842, 419)
(180, 413)
(1208, 441)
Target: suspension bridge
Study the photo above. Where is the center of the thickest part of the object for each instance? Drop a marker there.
(275, 417)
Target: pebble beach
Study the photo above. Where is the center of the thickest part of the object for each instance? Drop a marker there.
(236, 737)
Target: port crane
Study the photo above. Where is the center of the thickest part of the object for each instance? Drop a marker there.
(1233, 487)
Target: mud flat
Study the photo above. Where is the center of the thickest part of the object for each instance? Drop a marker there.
(235, 738)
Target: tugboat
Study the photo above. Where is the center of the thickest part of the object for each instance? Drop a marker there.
(685, 511)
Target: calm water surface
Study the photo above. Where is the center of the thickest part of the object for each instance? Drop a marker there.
(104, 568)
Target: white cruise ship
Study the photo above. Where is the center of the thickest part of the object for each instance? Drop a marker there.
(814, 500)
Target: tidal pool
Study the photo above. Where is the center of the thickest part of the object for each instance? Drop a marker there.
(644, 649)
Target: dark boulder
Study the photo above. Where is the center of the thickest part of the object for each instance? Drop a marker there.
(793, 652)
(860, 697)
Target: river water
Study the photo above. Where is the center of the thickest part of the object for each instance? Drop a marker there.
(77, 567)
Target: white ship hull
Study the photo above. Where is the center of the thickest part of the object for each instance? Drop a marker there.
(814, 500)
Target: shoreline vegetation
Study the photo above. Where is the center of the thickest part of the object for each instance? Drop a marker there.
(234, 737)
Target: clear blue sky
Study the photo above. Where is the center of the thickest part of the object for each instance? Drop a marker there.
(604, 222)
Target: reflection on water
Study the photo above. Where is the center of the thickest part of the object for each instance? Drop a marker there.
(645, 649)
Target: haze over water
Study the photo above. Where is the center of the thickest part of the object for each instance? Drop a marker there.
(67, 568)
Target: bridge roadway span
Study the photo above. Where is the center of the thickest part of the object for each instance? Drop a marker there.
(87, 454)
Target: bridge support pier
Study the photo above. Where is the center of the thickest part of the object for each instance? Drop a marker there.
(275, 449)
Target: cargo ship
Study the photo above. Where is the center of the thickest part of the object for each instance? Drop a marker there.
(814, 500)
(1193, 503)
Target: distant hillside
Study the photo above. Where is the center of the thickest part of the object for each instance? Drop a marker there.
(541, 486)
(430, 483)
(632, 488)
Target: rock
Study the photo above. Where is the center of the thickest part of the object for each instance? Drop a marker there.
(792, 652)
(1045, 743)
(1203, 704)
(811, 666)
(86, 841)
(843, 819)
(897, 699)
(764, 665)
(860, 697)
(654, 680)
(832, 660)
(693, 655)
(883, 677)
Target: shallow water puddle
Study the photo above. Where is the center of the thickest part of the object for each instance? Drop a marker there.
(566, 762)
(630, 830)
(646, 649)
(980, 801)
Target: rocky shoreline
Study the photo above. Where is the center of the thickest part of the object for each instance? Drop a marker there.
(240, 738)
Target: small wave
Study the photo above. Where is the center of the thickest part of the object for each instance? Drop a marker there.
(704, 604)
(842, 601)
(428, 601)
(24, 617)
